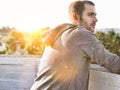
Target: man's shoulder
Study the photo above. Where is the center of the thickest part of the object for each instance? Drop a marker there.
(78, 30)
(78, 35)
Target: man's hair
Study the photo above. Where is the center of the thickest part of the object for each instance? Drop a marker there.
(78, 6)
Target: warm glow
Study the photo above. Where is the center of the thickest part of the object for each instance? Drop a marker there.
(30, 15)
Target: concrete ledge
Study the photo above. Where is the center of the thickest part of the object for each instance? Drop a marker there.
(102, 79)
(18, 73)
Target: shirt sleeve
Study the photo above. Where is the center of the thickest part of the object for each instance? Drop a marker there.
(96, 51)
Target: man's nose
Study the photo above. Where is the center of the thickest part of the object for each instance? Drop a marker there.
(95, 19)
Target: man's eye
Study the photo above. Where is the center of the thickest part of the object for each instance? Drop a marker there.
(90, 14)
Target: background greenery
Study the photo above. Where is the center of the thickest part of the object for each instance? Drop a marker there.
(110, 40)
(31, 44)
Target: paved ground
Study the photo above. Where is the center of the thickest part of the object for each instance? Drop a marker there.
(17, 73)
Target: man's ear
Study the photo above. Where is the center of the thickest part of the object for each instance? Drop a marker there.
(75, 16)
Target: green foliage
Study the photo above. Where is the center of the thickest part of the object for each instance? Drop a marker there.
(30, 42)
(110, 40)
(14, 38)
(11, 45)
(34, 45)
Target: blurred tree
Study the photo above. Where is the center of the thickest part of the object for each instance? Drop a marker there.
(34, 45)
(14, 38)
(110, 40)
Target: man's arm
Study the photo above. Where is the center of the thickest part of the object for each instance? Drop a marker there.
(103, 57)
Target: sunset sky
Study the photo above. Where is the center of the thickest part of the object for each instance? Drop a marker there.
(31, 15)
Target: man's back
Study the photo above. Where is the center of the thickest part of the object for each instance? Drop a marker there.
(65, 66)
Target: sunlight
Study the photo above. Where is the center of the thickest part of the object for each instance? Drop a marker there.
(30, 15)
(32, 29)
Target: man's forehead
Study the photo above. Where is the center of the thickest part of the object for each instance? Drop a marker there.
(89, 8)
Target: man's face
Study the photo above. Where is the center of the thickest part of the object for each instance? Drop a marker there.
(89, 17)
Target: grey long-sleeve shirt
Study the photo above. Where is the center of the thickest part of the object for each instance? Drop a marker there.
(65, 64)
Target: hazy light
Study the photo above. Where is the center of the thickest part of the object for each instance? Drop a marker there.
(29, 15)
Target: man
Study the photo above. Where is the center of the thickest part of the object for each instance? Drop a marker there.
(70, 48)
